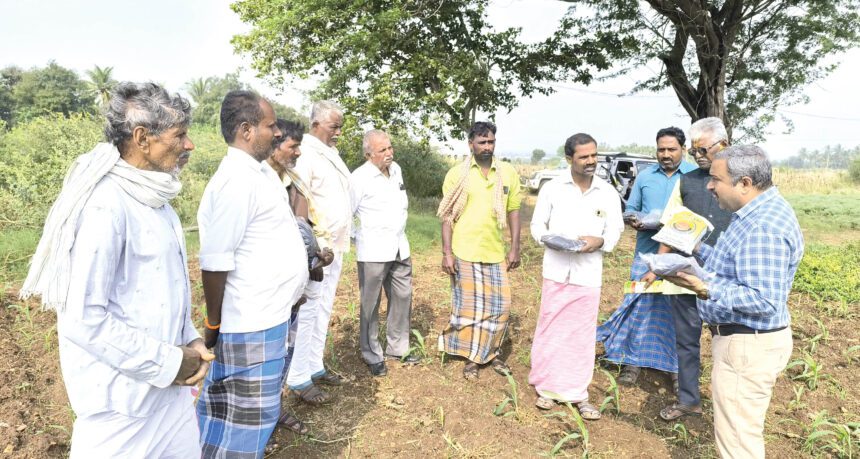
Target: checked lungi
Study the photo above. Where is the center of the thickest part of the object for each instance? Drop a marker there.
(641, 332)
(241, 398)
(480, 308)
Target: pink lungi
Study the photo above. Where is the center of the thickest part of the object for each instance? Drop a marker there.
(565, 337)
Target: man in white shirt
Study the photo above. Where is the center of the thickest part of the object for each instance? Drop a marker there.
(327, 178)
(254, 267)
(574, 208)
(112, 263)
(379, 201)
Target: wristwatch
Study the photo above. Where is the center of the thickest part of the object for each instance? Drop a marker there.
(703, 295)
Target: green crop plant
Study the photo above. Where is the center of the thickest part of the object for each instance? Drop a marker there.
(581, 432)
(420, 346)
(810, 371)
(823, 335)
(613, 395)
(510, 406)
(841, 440)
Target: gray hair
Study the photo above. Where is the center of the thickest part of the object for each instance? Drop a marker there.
(370, 135)
(711, 125)
(321, 109)
(748, 161)
(143, 104)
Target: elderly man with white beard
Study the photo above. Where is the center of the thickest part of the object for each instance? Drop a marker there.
(112, 263)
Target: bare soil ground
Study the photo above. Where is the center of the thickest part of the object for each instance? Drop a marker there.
(431, 411)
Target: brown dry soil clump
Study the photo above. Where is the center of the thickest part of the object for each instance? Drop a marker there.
(431, 411)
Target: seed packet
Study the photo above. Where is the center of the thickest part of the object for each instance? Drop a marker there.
(562, 243)
(649, 221)
(683, 230)
(670, 264)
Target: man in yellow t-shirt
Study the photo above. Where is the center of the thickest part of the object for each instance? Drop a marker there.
(481, 196)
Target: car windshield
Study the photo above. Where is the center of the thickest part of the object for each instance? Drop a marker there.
(642, 165)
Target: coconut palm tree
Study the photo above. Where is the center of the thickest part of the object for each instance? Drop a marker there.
(198, 88)
(101, 84)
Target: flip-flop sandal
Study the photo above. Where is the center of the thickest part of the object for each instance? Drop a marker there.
(545, 403)
(312, 395)
(588, 411)
(293, 423)
(677, 411)
(629, 375)
(501, 367)
(470, 371)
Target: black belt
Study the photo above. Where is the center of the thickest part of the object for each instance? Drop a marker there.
(732, 329)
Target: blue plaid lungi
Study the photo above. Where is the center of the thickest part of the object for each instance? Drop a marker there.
(241, 398)
(641, 332)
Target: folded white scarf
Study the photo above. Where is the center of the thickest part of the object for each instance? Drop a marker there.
(50, 267)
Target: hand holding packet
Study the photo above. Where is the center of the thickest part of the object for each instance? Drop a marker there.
(670, 264)
(562, 243)
(649, 221)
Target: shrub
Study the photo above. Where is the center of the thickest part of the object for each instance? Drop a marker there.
(34, 158)
(854, 170)
(830, 272)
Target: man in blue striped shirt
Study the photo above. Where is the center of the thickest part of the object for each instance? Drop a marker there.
(745, 301)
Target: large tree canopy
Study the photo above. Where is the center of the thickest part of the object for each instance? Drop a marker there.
(735, 59)
(395, 62)
(390, 61)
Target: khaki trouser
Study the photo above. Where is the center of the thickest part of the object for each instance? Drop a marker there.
(745, 370)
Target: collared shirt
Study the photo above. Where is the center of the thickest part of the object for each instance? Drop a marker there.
(477, 237)
(247, 229)
(128, 306)
(327, 177)
(651, 191)
(380, 203)
(754, 263)
(316, 217)
(563, 209)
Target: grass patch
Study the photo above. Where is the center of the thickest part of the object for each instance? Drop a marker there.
(16, 247)
(830, 273)
(821, 215)
(423, 231)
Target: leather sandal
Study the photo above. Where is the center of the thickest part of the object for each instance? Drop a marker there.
(312, 395)
(470, 371)
(629, 375)
(329, 379)
(588, 411)
(293, 423)
(677, 411)
(500, 367)
(545, 403)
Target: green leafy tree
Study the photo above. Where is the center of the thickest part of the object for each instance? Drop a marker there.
(537, 155)
(560, 151)
(100, 84)
(734, 59)
(51, 89)
(420, 65)
(9, 77)
(207, 94)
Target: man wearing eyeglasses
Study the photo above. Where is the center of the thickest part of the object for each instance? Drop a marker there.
(708, 137)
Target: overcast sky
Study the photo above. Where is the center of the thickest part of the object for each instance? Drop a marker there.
(172, 42)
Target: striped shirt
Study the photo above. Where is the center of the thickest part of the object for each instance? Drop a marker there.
(754, 264)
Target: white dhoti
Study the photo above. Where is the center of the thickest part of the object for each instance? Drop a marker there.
(169, 432)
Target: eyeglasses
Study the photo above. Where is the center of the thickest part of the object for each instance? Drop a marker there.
(703, 151)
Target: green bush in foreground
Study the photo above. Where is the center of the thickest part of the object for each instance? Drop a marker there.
(830, 273)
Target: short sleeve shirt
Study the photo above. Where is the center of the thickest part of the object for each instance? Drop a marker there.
(477, 236)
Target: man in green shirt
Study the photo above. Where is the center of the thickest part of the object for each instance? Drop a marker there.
(481, 196)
